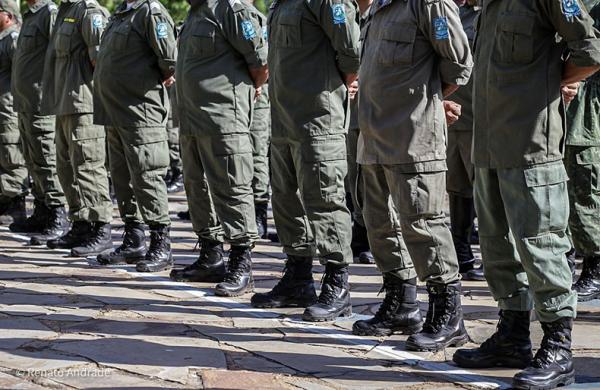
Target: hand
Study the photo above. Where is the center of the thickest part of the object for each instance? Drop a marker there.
(569, 91)
(353, 89)
(170, 81)
(452, 111)
(349, 78)
(257, 93)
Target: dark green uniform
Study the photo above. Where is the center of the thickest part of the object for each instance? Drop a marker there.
(219, 42)
(173, 132)
(37, 131)
(260, 136)
(136, 54)
(520, 180)
(13, 173)
(311, 45)
(582, 161)
(405, 61)
(68, 93)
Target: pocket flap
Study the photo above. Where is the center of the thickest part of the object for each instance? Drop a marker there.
(232, 144)
(292, 18)
(67, 29)
(123, 29)
(29, 31)
(204, 30)
(545, 175)
(399, 32)
(588, 156)
(518, 24)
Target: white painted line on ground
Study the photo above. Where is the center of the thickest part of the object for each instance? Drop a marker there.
(443, 369)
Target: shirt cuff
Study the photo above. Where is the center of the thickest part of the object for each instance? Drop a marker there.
(257, 59)
(348, 64)
(585, 52)
(167, 67)
(454, 73)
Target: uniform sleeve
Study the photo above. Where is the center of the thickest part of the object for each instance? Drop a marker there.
(576, 28)
(92, 27)
(161, 34)
(340, 21)
(440, 23)
(244, 30)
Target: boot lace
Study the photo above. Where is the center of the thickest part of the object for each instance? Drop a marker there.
(438, 312)
(157, 244)
(390, 302)
(235, 268)
(329, 283)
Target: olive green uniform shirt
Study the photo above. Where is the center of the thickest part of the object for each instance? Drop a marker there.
(219, 42)
(8, 45)
(68, 72)
(137, 53)
(28, 62)
(410, 49)
(312, 43)
(518, 118)
(464, 95)
(583, 115)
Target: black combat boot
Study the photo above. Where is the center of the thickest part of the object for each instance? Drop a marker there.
(184, 215)
(360, 242)
(57, 225)
(70, 239)
(13, 211)
(588, 285)
(209, 267)
(238, 280)
(35, 223)
(366, 257)
(444, 326)
(159, 256)
(98, 240)
(132, 250)
(399, 312)
(261, 219)
(552, 365)
(475, 274)
(509, 347)
(295, 289)
(462, 214)
(176, 182)
(334, 300)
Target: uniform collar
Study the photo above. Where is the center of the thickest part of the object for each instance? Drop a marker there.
(38, 5)
(70, 1)
(123, 7)
(8, 31)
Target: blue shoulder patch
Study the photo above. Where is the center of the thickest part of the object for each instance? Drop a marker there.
(440, 28)
(97, 21)
(339, 13)
(265, 32)
(248, 30)
(570, 9)
(162, 30)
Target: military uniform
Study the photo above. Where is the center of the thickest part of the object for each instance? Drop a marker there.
(174, 177)
(137, 53)
(260, 136)
(411, 49)
(309, 112)
(219, 43)
(80, 144)
(37, 131)
(582, 162)
(520, 180)
(459, 183)
(13, 173)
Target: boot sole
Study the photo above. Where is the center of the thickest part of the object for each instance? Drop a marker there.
(587, 298)
(88, 254)
(456, 341)
(154, 268)
(130, 261)
(407, 330)
(347, 312)
(284, 304)
(562, 380)
(197, 280)
(225, 293)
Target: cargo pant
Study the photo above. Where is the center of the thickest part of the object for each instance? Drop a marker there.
(217, 174)
(37, 135)
(459, 178)
(80, 164)
(139, 158)
(583, 167)
(523, 215)
(174, 148)
(309, 204)
(260, 136)
(353, 178)
(421, 242)
(13, 172)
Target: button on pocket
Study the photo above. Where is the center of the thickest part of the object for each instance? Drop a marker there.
(396, 43)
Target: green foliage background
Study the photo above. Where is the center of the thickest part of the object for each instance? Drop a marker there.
(177, 8)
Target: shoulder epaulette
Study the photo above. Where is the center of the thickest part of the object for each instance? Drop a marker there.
(91, 4)
(236, 5)
(155, 8)
(52, 7)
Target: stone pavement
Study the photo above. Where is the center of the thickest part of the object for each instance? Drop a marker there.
(67, 323)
